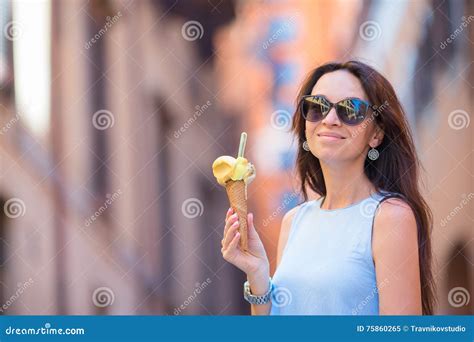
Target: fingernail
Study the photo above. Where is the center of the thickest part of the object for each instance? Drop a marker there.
(236, 223)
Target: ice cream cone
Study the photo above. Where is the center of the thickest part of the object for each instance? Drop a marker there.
(235, 174)
(237, 194)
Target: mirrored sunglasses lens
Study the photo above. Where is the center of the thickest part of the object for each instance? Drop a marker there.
(352, 111)
(314, 108)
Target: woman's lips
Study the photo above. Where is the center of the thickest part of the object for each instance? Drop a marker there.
(330, 136)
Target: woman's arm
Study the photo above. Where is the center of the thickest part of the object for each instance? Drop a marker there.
(395, 252)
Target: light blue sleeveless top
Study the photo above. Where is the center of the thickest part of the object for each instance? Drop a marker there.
(327, 266)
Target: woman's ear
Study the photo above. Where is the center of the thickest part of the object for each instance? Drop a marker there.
(377, 137)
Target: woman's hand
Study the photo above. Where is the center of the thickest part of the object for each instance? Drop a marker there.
(254, 262)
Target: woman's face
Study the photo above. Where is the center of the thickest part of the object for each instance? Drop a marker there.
(354, 141)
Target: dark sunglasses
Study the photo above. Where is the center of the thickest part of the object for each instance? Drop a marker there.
(351, 111)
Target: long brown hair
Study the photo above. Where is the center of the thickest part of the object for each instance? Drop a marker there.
(397, 168)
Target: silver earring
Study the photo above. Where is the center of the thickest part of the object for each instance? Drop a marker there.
(373, 154)
(305, 146)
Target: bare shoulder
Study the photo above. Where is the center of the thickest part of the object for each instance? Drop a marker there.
(394, 226)
(285, 231)
(393, 210)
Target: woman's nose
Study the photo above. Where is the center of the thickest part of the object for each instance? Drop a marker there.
(331, 118)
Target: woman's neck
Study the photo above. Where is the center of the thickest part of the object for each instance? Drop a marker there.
(345, 185)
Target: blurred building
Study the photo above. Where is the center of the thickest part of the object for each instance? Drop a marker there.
(121, 214)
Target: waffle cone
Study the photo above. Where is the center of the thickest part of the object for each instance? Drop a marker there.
(237, 194)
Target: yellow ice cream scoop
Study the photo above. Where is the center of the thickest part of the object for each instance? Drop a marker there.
(222, 168)
(226, 168)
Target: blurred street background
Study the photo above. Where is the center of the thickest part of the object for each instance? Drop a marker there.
(112, 112)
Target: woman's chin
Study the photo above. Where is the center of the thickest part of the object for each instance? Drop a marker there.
(328, 156)
(331, 156)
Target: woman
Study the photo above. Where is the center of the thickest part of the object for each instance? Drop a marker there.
(364, 246)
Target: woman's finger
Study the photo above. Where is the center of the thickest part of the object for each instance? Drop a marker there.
(230, 253)
(230, 234)
(230, 211)
(229, 222)
(235, 241)
(252, 232)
